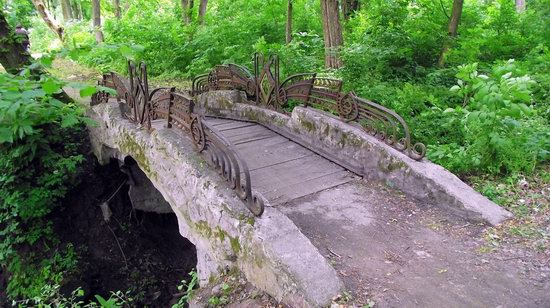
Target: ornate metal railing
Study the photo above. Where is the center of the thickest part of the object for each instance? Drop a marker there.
(176, 108)
(265, 89)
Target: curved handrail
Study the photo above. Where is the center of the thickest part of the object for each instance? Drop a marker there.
(318, 92)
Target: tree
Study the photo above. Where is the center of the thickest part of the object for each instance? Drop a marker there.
(187, 11)
(96, 16)
(51, 23)
(453, 29)
(332, 32)
(116, 4)
(13, 56)
(77, 9)
(67, 10)
(289, 22)
(202, 10)
(349, 7)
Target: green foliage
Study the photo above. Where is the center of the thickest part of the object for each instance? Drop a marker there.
(188, 289)
(50, 297)
(18, 12)
(40, 141)
(501, 131)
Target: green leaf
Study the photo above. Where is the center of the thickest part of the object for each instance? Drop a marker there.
(46, 61)
(89, 122)
(5, 135)
(111, 91)
(50, 86)
(126, 52)
(87, 91)
(69, 120)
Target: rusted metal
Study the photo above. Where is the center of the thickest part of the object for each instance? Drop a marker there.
(265, 89)
(225, 159)
(177, 109)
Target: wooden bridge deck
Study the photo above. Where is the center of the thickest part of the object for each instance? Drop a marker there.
(280, 169)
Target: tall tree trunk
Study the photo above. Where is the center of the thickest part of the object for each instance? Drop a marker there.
(520, 6)
(332, 32)
(349, 7)
(96, 16)
(187, 11)
(202, 10)
(67, 10)
(289, 22)
(13, 56)
(74, 8)
(43, 12)
(453, 29)
(116, 4)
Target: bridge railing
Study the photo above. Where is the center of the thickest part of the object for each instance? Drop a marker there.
(177, 108)
(264, 89)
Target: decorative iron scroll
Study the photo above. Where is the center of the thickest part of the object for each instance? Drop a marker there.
(177, 109)
(223, 157)
(265, 89)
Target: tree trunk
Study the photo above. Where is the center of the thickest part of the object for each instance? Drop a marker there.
(202, 10)
(96, 16)
(43, 12)
(349, 7)
(332, 32)
(187, 11)
(520, 6)
(453, 29)
(67, 10)
(13, 56)
(289, 22)
(116, 4)
(74, 8)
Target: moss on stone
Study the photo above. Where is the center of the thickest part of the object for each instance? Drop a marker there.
(308, 125)
(128, 145)
(235, 244)
(203, 229)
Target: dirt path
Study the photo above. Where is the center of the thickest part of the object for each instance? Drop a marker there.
(398, 253)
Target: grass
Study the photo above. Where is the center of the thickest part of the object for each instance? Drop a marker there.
(528, 198)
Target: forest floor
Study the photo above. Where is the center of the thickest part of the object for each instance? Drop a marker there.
(522, 242)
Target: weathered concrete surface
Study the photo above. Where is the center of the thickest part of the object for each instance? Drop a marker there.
(143, 195)
(392, 250)
(361, 153)
(271, 251)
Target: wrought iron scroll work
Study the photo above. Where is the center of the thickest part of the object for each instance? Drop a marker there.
(265, 90)
(177, 108)
(224, 158)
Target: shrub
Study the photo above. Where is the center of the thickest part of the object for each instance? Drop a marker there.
(502, 133)
(40, 140)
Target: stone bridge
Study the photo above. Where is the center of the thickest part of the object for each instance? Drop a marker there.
(305, 189)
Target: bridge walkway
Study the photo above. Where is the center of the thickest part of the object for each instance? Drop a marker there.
(280, 169)
(384, 245)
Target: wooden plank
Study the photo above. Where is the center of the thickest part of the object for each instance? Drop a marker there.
(253, 135)
(268, 152)
(285, 194)
(233, 125)
(250, 129)
(218, 121)
(292, 173)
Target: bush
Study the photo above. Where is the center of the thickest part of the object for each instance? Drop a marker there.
(502, 132)
(40, 141)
